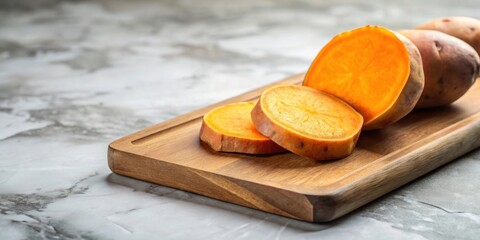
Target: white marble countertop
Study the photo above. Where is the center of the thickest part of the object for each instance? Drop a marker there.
(76, 75)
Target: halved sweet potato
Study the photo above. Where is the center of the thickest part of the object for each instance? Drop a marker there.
(229, 128)
(307, 122)
(373, 69)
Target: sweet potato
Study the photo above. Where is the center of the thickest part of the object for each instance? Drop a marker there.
(373, 69)
(450, 66)
(465, 28)
(229, 128)
(307, 122)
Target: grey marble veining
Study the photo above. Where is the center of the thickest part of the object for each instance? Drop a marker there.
(75, 75)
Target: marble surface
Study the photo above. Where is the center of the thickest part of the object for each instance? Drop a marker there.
(76, 75)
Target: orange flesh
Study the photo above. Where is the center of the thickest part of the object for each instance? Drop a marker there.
(311, 113)
(367, 67)
(234, 120)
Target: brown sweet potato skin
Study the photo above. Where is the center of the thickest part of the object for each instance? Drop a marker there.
(465, 28)
(450, 66)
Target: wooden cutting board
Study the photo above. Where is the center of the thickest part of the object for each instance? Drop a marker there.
(171, 154)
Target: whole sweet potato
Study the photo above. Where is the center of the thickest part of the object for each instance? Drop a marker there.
(450, 66)
(465, 28)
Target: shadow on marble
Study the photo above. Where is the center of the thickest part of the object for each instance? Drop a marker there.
(167, 192)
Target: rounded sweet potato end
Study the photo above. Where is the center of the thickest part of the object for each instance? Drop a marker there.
(450, 65)
(230, 129)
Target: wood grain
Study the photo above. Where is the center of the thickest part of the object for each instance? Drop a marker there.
(171, 154)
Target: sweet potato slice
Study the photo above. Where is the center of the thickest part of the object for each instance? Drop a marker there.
(373, 69)
(307, 122)
(229, 128)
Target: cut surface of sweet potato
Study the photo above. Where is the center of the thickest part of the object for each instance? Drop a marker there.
(307, 122)
(373, 69)
(229, 128)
